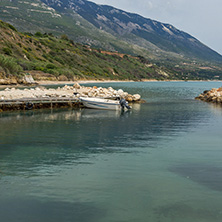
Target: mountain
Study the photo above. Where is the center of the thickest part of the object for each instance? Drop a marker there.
(136, 29)
(34, 15)
(145, 48)
(106, 27)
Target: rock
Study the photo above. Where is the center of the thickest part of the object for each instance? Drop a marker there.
(120, 92)
(29, 79)
(219, 99)
(214, 95)
(129, 98)
(3, 82)
(62, 78)
(110, 89)
(201, 97)
(125, 94)
(214, 99)
(136, 97)
(11, 81)
(14, 81)
(76, 86)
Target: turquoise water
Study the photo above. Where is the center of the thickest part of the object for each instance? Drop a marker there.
(159, 162)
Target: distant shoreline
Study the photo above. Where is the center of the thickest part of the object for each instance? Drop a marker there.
(79, 81)
(46, 82)
(115, 81)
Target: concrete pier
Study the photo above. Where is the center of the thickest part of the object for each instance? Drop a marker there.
(67, 96)
(39, 103)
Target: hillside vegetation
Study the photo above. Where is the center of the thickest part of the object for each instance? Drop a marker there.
(106, 27)
(59, 58)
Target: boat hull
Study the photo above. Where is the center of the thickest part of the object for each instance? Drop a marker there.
(96, 103)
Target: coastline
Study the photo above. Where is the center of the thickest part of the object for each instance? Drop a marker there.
(79, 81)
(48, 82)
(45, 82)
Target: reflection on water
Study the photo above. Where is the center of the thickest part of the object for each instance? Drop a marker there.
(159, 160)
(55, 137)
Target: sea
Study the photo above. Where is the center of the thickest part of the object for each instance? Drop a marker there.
(159, 162)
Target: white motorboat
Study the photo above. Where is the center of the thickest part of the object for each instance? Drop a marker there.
(100, 103)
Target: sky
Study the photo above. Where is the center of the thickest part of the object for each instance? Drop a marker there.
(200, 18)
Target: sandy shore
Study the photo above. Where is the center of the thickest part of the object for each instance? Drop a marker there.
(79, 81)
(65, 83)
(97, 81)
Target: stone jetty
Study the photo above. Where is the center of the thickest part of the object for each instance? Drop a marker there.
(74, 91)
(214, 96)
(67, 96)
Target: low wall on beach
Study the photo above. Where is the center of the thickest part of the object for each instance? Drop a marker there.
(213, 96)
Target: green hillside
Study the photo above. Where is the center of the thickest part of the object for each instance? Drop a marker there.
(34, 16)
(24, 52)
(59, 58)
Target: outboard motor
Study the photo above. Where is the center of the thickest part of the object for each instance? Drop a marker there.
(124, 103)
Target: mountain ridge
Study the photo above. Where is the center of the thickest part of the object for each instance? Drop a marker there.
(106, 27)
(121, 23)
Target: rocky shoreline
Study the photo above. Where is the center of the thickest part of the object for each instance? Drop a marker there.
(74, 91)
(213, 96)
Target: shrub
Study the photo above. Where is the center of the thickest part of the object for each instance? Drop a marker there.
(7, 51)
(19, 44)
(50, 66)
(12, 27)
(38, 34)
(10, 65)
(27, 65)
(7, 25)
